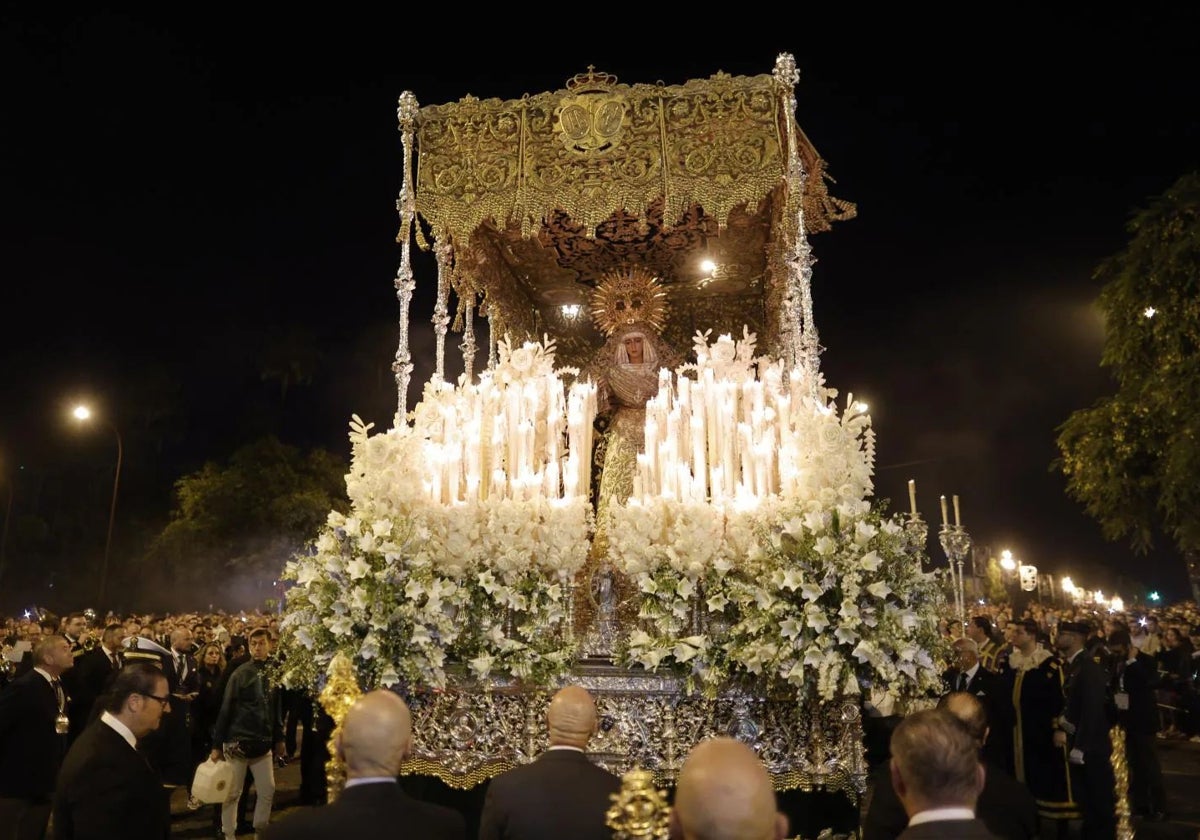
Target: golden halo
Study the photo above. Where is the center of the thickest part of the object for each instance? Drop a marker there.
(628, 296)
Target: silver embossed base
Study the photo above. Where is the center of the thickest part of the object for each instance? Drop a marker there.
(473, 731)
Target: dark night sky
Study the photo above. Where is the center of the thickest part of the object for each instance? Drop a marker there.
(179, 190)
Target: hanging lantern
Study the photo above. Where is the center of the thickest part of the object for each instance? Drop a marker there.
(1029, 577)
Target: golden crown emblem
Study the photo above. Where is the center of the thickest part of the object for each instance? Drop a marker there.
(591, 81)
(627, 296)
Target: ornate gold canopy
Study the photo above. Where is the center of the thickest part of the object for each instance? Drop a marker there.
(529, 202)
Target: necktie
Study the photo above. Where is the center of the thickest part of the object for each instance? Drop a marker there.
(116, 663)
(59, 696)
(962, 681)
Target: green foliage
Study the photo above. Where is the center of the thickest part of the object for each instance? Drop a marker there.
(252, 513)
(997, 592)
(1132, 459)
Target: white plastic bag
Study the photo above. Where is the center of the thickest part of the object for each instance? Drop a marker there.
(212, 780)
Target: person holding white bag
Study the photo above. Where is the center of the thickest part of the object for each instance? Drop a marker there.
(249, 734)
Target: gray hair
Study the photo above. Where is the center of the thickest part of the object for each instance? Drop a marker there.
(937, 758)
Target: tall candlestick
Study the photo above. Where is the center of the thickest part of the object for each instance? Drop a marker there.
(945, 514)
(957, 516)
(912, 496)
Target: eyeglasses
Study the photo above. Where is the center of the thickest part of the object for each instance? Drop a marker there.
(163, 701)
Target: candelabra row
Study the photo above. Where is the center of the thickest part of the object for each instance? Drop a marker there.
(956, 544)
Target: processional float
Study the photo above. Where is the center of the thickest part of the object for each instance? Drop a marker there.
(647, 488)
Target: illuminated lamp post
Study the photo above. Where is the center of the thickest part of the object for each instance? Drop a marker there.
(82, 413)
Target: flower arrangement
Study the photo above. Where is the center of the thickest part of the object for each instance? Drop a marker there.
(789, 580)
(407, 585)
(820, 604)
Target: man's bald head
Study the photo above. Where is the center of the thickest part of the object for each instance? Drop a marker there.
(376, 735)
(571, 717)
(725, 793)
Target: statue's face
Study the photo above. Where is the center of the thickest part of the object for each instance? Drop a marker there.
(634, 348)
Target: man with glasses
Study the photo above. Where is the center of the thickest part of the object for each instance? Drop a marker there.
(106, 788)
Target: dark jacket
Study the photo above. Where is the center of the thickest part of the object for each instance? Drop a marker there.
(249, 708)
(1086, 713)
(377, 809)
(106, 789)
(948, 830)
(30, 749)
(560, 794)
(1005, 806)
(90, 677)
(1138, 681)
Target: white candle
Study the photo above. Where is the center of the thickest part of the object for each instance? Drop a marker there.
(912, 496)
(957, 515)
(945, 514)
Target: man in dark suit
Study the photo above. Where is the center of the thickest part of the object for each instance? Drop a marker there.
(559, 794)
(1135, 678)
(937, 776)
(1005, 805)
(106, 788)
(33, 740)
(1083, 730)
(971, 676)
(93, 672)
(725, 793)
(376, 737)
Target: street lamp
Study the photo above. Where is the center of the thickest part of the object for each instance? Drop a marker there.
(1007, 562)
(82, 413)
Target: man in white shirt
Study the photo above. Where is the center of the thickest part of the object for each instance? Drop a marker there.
(33, 740)
(106, 788)
(937, 776)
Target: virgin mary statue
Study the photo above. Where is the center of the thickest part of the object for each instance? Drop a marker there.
(630, 308)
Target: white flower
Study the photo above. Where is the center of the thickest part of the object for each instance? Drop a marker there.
(816, 618)
(810, 591)
(825, 546)
(870, 562)
(790, 628)
(339, 625)
(864, 532)
(880, 589)
(358, 568)
(481, 665)
(792, 579)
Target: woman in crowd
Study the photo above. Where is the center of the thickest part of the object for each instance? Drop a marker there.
(210, 665)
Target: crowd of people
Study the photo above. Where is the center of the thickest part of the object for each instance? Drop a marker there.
(1051, 685)
(182, 689)
(1035, 696)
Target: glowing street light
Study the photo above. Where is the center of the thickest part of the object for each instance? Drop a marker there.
(82, 413)
(1007, 563)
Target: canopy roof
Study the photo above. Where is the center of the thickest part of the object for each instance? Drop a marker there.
(538, 198)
